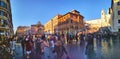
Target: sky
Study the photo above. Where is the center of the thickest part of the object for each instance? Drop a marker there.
(28, 12)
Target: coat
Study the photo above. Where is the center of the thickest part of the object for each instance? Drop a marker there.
(28, 44)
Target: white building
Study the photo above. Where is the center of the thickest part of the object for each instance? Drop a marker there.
(115, 16)
(104, 21)
(111, 19)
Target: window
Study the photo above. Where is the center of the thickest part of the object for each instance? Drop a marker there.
(119, 12)
(3, 13)
(1, 32)
(119, 21)
(71, 21)
(8, 0)
(118, 3)
(3, 4)
(3, 22)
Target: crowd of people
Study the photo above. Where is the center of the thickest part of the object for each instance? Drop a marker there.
(44, 44)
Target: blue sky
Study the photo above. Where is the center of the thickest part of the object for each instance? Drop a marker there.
(27, 12)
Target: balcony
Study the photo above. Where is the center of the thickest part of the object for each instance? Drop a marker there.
(3, 17)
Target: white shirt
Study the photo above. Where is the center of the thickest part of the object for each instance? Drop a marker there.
(52, 42)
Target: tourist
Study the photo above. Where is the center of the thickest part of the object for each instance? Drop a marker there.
(29, 44)
(59, 49)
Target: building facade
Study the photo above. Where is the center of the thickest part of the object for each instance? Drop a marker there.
(48, 27)
(115, 16)
(51, 25)
(70, 22)
(6, 25)
(103, 22)
(37, 29)
(22, 30)
(55, 23)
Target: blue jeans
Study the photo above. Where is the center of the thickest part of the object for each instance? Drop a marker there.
(46, 52)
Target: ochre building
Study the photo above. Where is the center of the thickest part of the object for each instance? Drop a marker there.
(50, 26)
(22, 30)
(70, 22)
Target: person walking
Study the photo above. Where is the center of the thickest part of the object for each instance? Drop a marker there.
(59, 49)
(90, 43)
(81, 39)
(71, 37)
(45, 48)
(38, 46)
(28, 44)
(62, 38)
(67, 37)
(12, 45)
(76, 37)
(23, 44)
